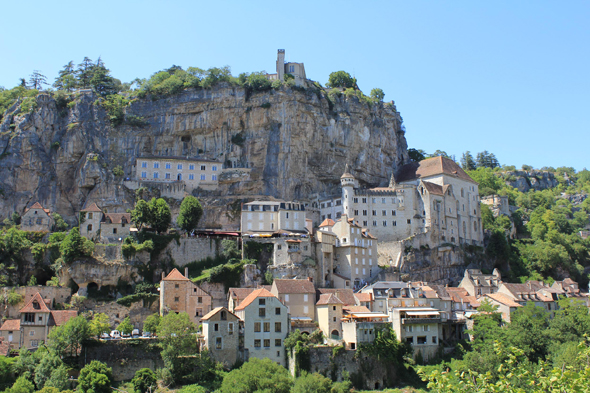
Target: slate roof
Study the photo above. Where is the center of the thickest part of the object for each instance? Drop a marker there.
(431, 167)
(328, 298)
(36, 304)
(92, 208)
(175, 275)
(294, 286)
(345, 295)
(260, 292)
(11, 324)
(441, 291)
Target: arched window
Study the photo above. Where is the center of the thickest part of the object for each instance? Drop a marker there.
(335, 335)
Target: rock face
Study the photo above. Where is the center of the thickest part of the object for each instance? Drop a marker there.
(284, 143)
(527, 180)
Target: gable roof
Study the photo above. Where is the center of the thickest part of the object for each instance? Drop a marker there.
(294, 286)
(30, 306)
(431, 167)
(117, 218)
(60, 317)
(345, 295)
(364, 297)
(92, 208)
(432, 188)
(37, 205)
(239, 294)
(328, 298)
(11, 324)
(260, 292)
(175, 275)
(328, 222)
(215, 311)
(501, 298)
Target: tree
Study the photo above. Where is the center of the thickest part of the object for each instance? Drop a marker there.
(341, 79)
(190, 214)
(160, 214)
(315, 382)
(528, 331)
(143, 380)
(101, 81)
(25, 362)
(95, 377)
(100, 324)
(37, 80)
(257, 375)
(66, 79)
(377, 94)
(571, 321)
(486, 159)
(416, 155)
(75, 246)
(151, 323)
(58, 379)
(125, 326)
(467, 161)
(47, 365)
(141, 214)
(68, 338)
(59, 225)
(177, 340)
(6, 372)
(440, 153)
(84, 72)
(23, 385)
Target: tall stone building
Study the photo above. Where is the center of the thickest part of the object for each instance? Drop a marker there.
(179, 294)
(37, 218)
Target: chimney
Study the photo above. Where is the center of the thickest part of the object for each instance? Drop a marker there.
(186, 272)
(163, 274)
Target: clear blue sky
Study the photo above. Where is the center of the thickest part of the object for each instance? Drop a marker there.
(510, 77)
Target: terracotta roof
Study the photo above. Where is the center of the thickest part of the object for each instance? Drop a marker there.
(261, 292)
(294, 286)
(328, 222)
(430, 167)
(215, 311)
(328, 298)
(36, 304)
(366, 233)
(61, 317)
(345, 295)
(117, 218)
(501, 298)
(267, 287)
(460, 295)
(92, 208)
(175, 275)
(239, 294)
(441, 291)
(37, 205)
(364, 297)
(351, 309)
(433, 188)
(11, 324)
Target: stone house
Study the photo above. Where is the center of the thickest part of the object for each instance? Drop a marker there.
(179, 294)
(395, 294)
(55, 295)
(329, 315)
(35, 322)
(418, 326)
(268, 217)
(95, 224)
(505, 304)
(345, 295)
(266, 324)
(236, 295)
(364, 299)
(325, 249)
(221, 331)
(37, 219)
(296, 70)
(359, 326)
(477, 284)
(527, 292)
(299, 297)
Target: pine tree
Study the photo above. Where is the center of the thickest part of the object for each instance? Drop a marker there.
(37, 80)
(467, 161)
(66, 79)
(84, 72)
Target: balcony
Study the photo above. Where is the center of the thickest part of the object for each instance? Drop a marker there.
(414, 321)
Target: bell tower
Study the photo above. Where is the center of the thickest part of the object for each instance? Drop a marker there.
(281, 64)
(347, 181)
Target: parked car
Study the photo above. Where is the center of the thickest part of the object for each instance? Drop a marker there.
(146, 334)
(105, 336)
(115, 334)
(135, 333)
(125, 335)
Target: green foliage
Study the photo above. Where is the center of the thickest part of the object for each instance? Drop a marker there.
(193, 389)
(48, 363)
(315, 382)
(75, 246)
(467, 162)
(95, 377)
(377, 94)
(118, 171)
(416, 155)
(341, 79)
(59, 224)
(68, 338)
(257, 81)
(32, 281)
(22, 385)
(129, 247)
(486, 159)
(13, 298)
(6, 374)
(9, 97)
(190, 214)
(216, 75)
(268, 278)
(386, 347)
(38, 251)
(144, 380)
(230, 249)
(155, 213)
(125, 326)
(100, 324)
(238, 139)
(258, 375)
(58, 380)
(147, 298)
(115, 106)
(151, 323)
(489, 183)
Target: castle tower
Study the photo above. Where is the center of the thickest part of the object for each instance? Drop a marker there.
(281, 64)
(392, 181)
(347, 182)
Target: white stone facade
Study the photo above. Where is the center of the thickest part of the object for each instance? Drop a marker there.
(269, 217)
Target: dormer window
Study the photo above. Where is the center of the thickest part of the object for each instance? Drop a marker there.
(36, 306)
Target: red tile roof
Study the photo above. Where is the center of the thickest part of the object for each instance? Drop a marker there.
(364, 297)
(294, 286)
(117, 218)
(430, 167)
(11, 324)
(92, 208)
(175, 275)
(4, 347)
(62, 316)
(328, 298)
(37, 205)
(36, 304)
(501, 298)
(353, 309)
(261, 292)
(328, 222)
(345, 295)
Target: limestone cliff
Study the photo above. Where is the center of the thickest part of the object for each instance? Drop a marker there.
(289, 144)
(530, 180)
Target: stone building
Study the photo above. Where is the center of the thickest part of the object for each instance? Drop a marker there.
(354, 258)
(329, 315)
(360, 326)
(299, 297)
(418, 326)
(267, 217)
(34, 324)
(477, 284)
(296, 70)
(221, 331)
(266, 324)
(37, 219)
(505, 304)
(498, 204)
(95, 224)
(179, 294)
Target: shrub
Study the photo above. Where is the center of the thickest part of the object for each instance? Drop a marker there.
(118, 171)
(13, 298)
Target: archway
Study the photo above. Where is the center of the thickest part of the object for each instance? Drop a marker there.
(335, 335)
(92, 289)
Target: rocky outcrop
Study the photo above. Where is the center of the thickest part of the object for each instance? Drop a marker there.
(90, 271)
(286, 144)
(530, 180)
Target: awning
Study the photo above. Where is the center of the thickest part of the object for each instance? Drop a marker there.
(422, 313)
(367, 315)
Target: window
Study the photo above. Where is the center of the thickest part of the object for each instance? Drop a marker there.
(291, 68)
(179, 177)
(156, 165)
(384, 212)
(286, 297)
(384, 223)
(421, 340)
(355, 200)
(32, 333)
(214, 177)
(144, 164)
(144, 174)
(176, 299)
(218, 343)
(364, 200)
(266, 343)
(89, 216)
(213, 168)
(216, 327)
(262, 312)
(374, 212)
(305, 309)
(156, 175)
(393, 212)
(168, 165)
(409, 221)
(278, 311)
(203, 167)
(34, 343)
(256, 343)
(191, 167)
(200, 300)
(277, 327)
(203, 177)
(89, 228)
(179, 167)
(267, 327)
(167, 176)
(434, 339)
(374, 223)
(176, 286)
(191, 177)
(230, 328)
(364, 212)
(277, 342)
(356, 212)
(257, 327)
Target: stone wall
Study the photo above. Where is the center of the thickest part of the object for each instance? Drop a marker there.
(137, 313)
(217, 292)
(191, 249)
(58, 295)
(125, 357)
